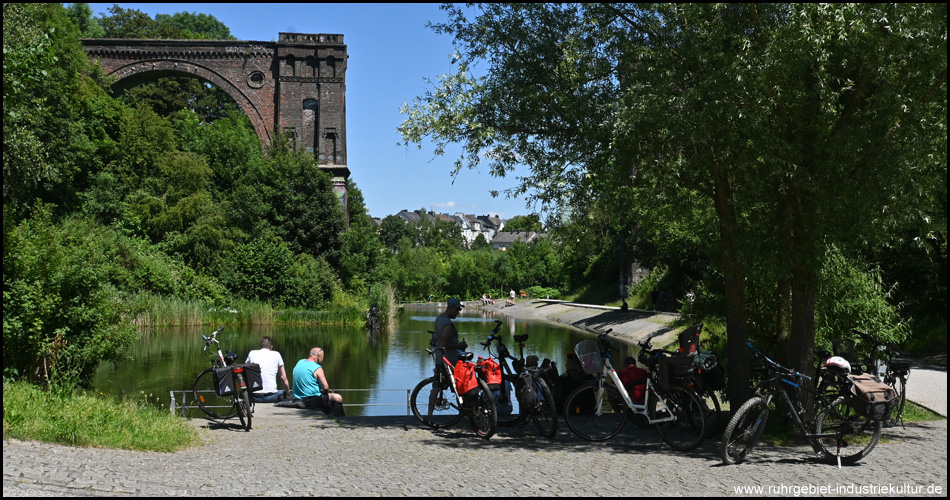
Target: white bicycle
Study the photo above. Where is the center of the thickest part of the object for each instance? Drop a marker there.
(598, 410)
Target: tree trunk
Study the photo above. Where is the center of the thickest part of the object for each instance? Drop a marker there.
(737, 332)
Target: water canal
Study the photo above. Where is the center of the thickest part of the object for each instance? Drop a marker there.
(384, 365)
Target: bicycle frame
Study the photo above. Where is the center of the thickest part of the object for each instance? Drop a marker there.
(445, 369)
(607, 372)
(773, 385)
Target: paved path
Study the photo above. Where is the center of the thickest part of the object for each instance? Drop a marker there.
(395, 456)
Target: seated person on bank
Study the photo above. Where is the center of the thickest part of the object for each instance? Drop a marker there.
(272, 366)
(310, 383)
(634, 379)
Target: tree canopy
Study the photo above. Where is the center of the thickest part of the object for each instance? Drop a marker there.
(779, 128)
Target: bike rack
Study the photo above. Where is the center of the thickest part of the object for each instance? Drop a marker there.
(183, 406)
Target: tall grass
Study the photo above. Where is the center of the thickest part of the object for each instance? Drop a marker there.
(87, 419)
(345, 309)
(383, 296)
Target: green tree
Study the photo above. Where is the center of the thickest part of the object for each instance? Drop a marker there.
(311, 218)
(771, 115)
(392, 229)
(47, 146)
(531, 222)
(362, 250)
(480, 243)
(81, 14)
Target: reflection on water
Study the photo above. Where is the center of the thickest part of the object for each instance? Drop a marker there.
(166, 359)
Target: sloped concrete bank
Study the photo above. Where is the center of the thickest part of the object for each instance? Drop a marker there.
(627, 326)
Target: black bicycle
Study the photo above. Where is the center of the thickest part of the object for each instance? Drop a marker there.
(688, 372)
(840, 433)
(895, 373)
(438, 402)
(222, 390)
(535, 396)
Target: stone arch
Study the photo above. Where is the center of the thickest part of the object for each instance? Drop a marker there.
(134, 73)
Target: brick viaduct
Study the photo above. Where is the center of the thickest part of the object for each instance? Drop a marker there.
(295, 86)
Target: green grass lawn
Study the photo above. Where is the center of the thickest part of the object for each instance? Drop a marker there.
(89, 419)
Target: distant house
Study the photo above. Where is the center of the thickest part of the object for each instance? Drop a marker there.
(504, 239)
(471, 225)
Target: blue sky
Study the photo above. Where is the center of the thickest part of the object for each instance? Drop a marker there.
(390, 53)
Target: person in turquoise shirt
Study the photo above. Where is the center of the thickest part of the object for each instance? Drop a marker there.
(310, 382)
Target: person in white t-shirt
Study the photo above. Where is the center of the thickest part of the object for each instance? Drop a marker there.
(272, 364)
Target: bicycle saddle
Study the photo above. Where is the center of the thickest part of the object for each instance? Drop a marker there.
(466, 356)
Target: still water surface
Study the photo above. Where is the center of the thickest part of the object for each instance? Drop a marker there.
(167, 359)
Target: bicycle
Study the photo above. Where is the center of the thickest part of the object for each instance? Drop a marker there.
(437, 403)
(895, 372)
(680, 375)
(598, 410)
(223, 386)
(543, 411)
(841, 433)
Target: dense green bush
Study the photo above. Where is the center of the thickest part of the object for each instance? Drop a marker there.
(63, 311)
(853, 295)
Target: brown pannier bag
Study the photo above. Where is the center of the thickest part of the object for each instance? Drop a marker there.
(871, 397)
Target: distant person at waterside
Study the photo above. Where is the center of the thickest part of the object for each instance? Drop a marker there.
(445, 335)
(310, 383)
(272, 365)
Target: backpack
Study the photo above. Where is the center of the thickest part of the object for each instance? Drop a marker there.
(871, 397)
(465, 379)
(525, 390)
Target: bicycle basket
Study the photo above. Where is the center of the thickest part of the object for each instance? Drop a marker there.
(588, 353)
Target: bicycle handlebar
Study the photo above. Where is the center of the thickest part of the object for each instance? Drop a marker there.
(213, 338)
(776, 366)
(889, 347)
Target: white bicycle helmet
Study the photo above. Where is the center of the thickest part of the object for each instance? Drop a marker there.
(838, 366)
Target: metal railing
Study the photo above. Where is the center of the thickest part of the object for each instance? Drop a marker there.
(183, 406)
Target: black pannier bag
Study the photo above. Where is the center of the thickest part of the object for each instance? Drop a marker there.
(871, 397)
(252, 377)
(224, 381)
(713, 379)
(900, 366)
(525, 390)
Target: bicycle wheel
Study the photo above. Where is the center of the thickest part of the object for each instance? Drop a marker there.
(744, 430)
(713, 412)
(242, 403)
(544, 413)
(579, 412)
(207, 399)
(853, 435)
(481, 412)
(434, 406)
(688, 429)
(900, 386)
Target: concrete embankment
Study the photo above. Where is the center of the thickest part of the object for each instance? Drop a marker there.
(628, 326)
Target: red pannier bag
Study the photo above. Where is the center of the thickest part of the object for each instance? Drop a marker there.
(491, 372)
(465, 379)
